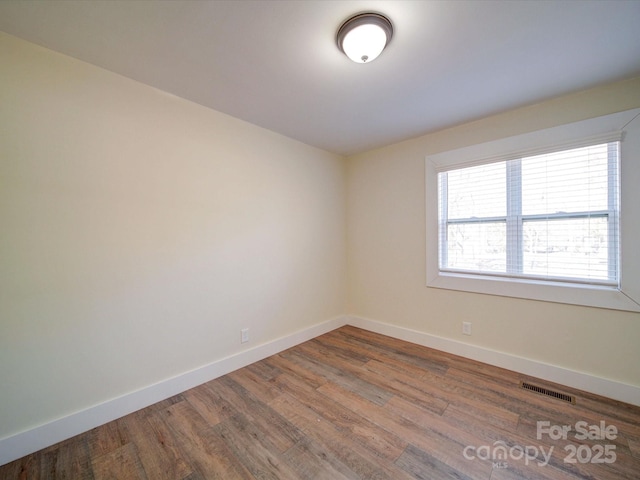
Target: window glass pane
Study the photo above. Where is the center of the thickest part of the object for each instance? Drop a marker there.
(477, 191)
(568, 181)
(556, 219)
(575, 248)
(477, 246)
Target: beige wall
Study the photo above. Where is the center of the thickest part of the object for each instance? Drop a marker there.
(141, 232)
(386, 253)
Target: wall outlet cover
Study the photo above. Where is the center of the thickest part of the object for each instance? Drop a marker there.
(466, 328)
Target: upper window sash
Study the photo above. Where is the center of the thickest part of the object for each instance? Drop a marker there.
(487, 152)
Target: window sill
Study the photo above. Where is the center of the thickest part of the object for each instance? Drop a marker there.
(576, 294)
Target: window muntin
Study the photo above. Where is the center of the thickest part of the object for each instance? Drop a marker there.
(552, 216)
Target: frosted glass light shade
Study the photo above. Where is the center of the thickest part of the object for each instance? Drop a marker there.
(363, 37)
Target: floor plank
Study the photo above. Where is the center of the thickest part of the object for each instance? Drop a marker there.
(123, 463)
(361, 459)
(207, 452)
(157, 448)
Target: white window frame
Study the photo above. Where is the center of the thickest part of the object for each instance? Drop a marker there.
(625, 296)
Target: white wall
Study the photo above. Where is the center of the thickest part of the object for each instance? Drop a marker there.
(386, 253)
(140, 232)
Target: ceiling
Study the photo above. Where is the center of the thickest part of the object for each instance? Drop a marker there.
(275, 63)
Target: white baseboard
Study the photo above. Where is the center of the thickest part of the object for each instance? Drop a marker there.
(582, 381)
(29, 441)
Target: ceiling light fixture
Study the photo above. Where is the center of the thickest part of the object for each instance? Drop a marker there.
(364, 36)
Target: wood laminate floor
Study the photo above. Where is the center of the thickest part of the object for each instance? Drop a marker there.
(353, 404)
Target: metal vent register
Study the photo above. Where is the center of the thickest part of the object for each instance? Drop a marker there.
(549, 393)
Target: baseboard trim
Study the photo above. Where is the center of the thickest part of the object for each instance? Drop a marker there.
(29, 441)
(582, 381)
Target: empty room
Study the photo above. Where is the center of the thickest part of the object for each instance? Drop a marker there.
(319, 239)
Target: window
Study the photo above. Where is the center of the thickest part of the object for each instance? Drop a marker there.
(550, 215)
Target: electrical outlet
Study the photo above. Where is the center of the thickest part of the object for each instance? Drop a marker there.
(244, 335)
(466, 328)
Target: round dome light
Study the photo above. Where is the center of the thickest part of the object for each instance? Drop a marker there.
(364, 36)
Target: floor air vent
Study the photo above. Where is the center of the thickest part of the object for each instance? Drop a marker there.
(549, 393)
